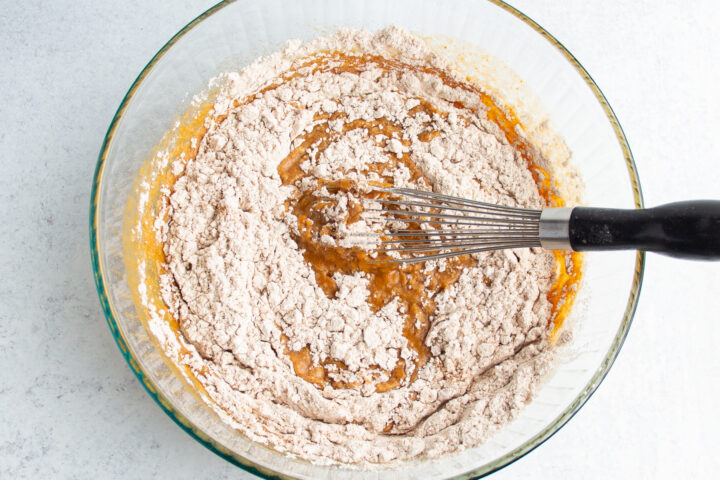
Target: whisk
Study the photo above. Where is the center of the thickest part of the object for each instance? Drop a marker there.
(425, 225)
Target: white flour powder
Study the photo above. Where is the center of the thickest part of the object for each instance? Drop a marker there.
(244, 294)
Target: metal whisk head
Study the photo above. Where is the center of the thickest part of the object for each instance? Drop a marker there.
(420, 226)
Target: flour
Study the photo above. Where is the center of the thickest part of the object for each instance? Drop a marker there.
(244, 295)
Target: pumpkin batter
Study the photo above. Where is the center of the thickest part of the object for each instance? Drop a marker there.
(307, 343)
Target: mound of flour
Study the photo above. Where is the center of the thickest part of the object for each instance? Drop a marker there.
(243, 294)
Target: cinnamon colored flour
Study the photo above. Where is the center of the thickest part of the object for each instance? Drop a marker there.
(299, 340)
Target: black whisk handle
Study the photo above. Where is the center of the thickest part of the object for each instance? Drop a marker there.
(688, 229)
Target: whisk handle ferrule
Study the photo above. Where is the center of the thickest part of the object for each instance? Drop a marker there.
(689, 229)
(555, 228)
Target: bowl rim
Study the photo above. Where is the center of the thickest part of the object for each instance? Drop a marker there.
(268, 473)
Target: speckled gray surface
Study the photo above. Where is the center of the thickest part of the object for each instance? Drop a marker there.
(69, 406)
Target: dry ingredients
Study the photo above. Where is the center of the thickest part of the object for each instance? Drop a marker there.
(297, 341)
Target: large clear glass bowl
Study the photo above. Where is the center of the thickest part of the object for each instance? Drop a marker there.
(230, 35)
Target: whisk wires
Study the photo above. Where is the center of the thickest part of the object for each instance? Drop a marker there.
(420, 225)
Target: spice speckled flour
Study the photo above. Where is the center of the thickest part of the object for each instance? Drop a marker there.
(324, 360)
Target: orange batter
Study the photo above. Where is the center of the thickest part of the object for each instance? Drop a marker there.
(387, 280)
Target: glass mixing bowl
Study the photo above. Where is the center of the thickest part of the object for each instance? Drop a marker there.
(229, 36)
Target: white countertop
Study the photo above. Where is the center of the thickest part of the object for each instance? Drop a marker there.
(71, 408)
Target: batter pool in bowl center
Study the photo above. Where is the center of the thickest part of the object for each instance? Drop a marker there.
(395, 352)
